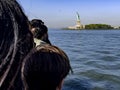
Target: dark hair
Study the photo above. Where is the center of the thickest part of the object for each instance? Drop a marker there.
(40, 30)
(36, 23)
(15, 42)
(45, 67)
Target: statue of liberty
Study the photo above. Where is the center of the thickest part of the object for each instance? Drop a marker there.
(79, 25)
(78, 16)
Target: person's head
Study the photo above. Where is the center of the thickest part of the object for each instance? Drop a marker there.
(39, 30)
(15, 38)
(45, 68)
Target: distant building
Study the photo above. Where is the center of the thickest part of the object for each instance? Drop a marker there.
(78, 24)
(116, 27)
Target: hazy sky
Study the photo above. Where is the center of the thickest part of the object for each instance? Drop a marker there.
(62, 13)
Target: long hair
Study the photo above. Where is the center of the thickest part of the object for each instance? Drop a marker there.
(45, 67)
(15, 42)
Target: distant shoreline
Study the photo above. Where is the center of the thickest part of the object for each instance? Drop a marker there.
(93, 27)
(87, 29)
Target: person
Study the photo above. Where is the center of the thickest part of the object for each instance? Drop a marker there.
(40, 32)
(45, 68)
(16, 40)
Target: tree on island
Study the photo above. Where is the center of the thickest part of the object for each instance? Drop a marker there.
(119, 27)
(98, 26)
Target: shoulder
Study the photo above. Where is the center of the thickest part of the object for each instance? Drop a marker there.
(39, 42)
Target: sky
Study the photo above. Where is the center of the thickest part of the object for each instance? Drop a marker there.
(62, 13)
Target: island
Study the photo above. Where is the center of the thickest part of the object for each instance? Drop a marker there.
(79, 26)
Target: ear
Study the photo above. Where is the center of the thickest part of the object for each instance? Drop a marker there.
(33, 30)
(60, 85)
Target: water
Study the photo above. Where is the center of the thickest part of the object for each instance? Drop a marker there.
(94, 56)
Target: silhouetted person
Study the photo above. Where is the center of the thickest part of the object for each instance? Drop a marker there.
(45, 68)
(16, 41)
(40, 32)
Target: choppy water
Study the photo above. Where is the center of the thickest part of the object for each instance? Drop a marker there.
(94, 56)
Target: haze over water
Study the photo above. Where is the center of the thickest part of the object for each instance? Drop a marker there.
(94, 56)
